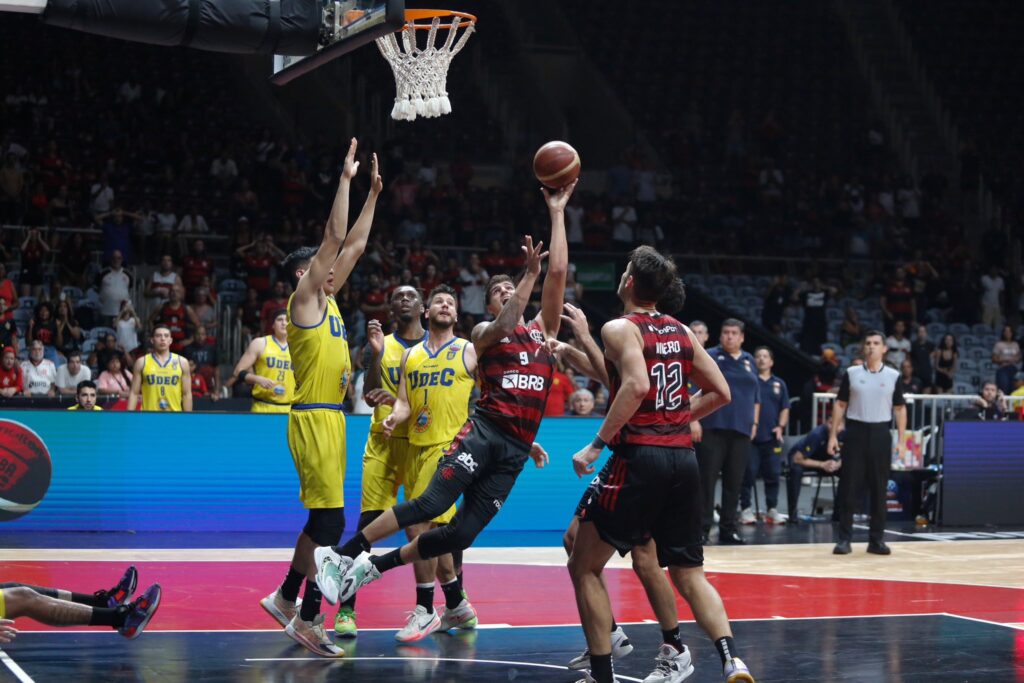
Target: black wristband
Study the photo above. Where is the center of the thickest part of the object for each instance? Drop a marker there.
(598, 443)
(241, 375)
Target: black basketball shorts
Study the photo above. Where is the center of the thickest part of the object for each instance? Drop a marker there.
(646, 492)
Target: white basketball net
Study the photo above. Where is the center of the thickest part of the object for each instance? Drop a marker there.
(421, 74)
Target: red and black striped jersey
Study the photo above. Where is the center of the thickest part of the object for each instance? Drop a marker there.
(515, 377)
(663, 418)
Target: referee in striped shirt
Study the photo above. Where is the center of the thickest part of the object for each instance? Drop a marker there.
(870, 396)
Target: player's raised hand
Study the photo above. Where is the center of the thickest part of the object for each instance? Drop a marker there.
(577, 321)
(7, 631)
(558, 199)
(377, 397)
(538, 455)
(534, 255)
(376, 182)
(375, 336)
(348, 171)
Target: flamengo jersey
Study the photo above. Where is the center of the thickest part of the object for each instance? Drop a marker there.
(515, 377)
(663, 418)
(275, 363)
(390, 367)
(161, 383)
(320, 359)
(438, 386)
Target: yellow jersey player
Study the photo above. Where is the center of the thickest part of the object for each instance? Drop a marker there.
(384, 459)
(316, 425)
(161, 378)
(267, 366)
(437, 378)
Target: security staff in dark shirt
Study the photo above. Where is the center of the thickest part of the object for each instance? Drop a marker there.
(728, 432)
(766, 450)
(809, 453)
(869, 397)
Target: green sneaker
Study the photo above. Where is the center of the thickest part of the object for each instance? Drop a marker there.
(345, 622)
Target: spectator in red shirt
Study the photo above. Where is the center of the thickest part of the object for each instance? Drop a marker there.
(8, 293)
(10, 374)
(250, 311)
(8, 328)
(375, 305)
(898, 301)
(196, 265)
(176, 316)
(199, 385)
(417, 258)
(430, 278)
(277, 301)
(493, 259)
(562, 387)
(259, 258)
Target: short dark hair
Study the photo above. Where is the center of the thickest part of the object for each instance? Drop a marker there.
(279, 312)
(733, 322)
(419, 292)
(300, 258)
(161, 326)
(674, 298)
(771, 354)
(653, 274)
(694, 323)
(496, 280)
(442, 289)
(873, 333)
(85, 384)
(74, 352)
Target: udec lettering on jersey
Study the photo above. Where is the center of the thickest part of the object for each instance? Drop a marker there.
(279, 363)
(419, 379)
(337, 329)
(155, 380)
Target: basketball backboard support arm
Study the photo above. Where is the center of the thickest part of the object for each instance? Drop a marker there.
(347, 25)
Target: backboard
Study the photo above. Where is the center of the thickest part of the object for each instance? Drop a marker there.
(347, 25)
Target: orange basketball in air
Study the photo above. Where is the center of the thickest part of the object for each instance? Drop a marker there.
(556, 164)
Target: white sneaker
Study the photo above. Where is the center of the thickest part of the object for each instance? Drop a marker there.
(355, 576)
(746, 517)
(671, 666)
(620, 648)
(421, 624)
(313, 636)
(776, 517)
(463, 616)
(735, 671)
(279, 608)
(329, 568)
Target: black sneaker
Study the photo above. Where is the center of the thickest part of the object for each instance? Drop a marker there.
(842, 548)
(879, 548)
(121, 594)
(140, 612)
(730, 539)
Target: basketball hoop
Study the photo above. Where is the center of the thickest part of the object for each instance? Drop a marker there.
(421, 73)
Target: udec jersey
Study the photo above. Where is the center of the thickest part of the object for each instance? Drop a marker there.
(320, 360)
(161, 383)
(663, 418)
(438, 385)
(275, 363)
(390, 367)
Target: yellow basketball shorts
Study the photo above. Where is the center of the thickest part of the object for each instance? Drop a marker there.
(259, 406)
(420, 470)
(384, 465)
(3, 610)
(316, 439)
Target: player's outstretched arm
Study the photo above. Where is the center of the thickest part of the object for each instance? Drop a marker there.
(714, 390)
(306, 301)
(589, 360)
(186, 387)
(625, 348)
(487, 334)
(136, 391)
(355, 243)
(553, 294)
(401, 411)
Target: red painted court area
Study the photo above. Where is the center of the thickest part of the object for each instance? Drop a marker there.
(225, 595)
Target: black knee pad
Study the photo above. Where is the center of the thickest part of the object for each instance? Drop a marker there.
(366, 518)
(325, 525)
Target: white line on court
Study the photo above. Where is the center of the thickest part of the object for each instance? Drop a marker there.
(983, 621)
(429, 659)
(18, 672)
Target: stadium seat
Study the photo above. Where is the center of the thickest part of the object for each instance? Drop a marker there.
(74, 293)
(232, 285)
(88, 346)
(981, 329)
(27, 302)
(977, 353)
(957, 329)
(231, 298)
(968, 340)
(101, 332)
(936, 330)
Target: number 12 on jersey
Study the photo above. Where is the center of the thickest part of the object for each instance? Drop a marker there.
(669, 379)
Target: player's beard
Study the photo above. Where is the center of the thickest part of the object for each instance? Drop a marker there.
(436, 324)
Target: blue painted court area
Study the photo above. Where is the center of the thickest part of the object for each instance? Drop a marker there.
(865, 650)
